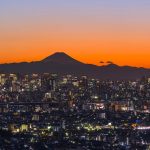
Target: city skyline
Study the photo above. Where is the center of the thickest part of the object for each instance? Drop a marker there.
(74, 74)
(102, 31)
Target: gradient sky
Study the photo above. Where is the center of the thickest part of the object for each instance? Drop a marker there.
(88, 30)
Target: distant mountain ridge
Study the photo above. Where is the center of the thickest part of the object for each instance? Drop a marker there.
(60, 57)
(62, 63)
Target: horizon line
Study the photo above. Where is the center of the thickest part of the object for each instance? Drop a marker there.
(106, 63)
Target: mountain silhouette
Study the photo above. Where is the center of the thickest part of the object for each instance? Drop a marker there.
(60, 57)
(62, 64)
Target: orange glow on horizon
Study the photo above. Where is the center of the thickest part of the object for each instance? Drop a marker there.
(122, 59)
(121, 47)
(89, 31)
(121, 50)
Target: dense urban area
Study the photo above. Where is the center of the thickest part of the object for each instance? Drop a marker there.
(48, 111)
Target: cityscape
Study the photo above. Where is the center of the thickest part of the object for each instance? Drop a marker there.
(47, 111)
(74, 74)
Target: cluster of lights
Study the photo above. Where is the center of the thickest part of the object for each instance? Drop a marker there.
(143, 128)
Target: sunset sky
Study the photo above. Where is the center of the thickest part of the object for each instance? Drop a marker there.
(88, 30)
